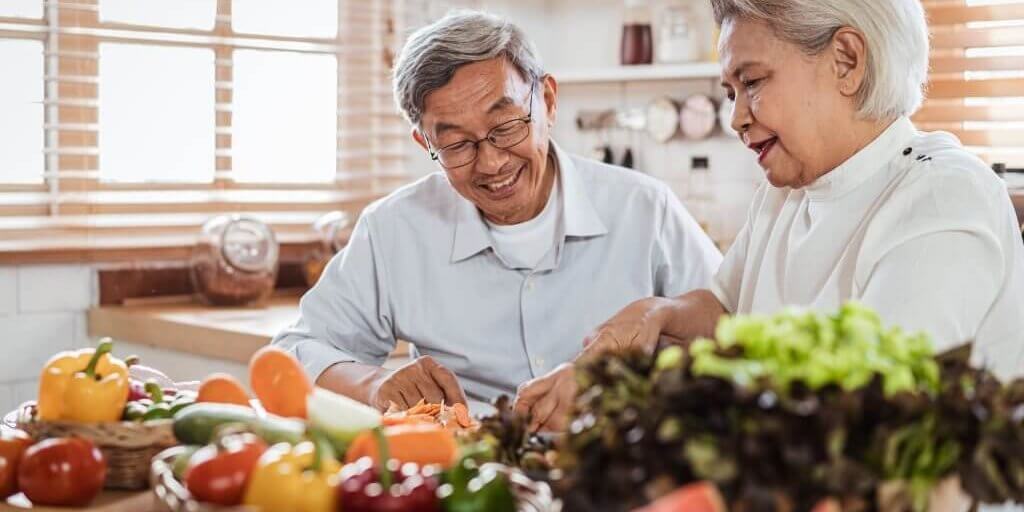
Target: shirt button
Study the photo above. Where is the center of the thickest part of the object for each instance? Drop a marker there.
(539, 362)
(529, 284)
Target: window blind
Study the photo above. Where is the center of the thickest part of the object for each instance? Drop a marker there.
(976, 87)
(72, 199)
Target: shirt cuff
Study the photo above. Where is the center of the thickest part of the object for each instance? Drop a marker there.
(723, 298)
(316, 357)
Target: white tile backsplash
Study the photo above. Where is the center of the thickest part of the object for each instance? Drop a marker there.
(8, 291)
(7, 401)
(180, 366)
(52, 288)
(29, 340)
(42, 312)
(23, 391)
(80, 332)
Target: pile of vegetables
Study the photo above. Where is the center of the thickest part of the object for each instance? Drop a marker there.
(311, 450)
(787, 411)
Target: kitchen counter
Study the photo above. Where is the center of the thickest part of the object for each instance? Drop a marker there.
(228, 333)
(188, 340)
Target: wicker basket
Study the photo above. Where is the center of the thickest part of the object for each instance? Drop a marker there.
(171, 495)
(127, 446)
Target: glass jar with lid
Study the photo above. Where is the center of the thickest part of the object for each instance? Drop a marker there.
(332, 236)
(235, 261)
(678, 34)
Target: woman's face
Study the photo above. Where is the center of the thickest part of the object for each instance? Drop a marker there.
(789, 107)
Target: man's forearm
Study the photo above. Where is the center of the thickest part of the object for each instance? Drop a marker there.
(354, 380)
(692, 315)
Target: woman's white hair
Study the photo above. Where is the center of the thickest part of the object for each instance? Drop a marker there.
(895, 30)
(433, 53)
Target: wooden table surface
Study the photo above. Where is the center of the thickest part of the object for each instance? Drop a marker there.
(141, 501)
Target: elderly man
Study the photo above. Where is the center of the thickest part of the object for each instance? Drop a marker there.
(496, 268)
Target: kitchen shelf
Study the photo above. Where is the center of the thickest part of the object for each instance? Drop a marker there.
(646, 72)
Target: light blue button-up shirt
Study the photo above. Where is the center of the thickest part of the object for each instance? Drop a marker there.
(421, 267)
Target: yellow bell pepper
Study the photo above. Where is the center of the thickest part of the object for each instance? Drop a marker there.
(87, 386)
(303, 478)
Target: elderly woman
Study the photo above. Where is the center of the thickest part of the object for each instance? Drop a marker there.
(858, 204)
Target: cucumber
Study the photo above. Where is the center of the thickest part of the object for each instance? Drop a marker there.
(340, 417)
(197, 423)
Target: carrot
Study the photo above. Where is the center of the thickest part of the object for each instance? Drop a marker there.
(462, 415)
(420, 443)
(280, 382)
(405, 419)
(222, 388)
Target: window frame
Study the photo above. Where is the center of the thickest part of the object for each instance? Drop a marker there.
(73, 216)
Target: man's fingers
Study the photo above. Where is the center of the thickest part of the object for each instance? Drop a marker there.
(542, 411)
(446, 381)
(530, 393)
(388, 396)
(429, 390)
(531, 400)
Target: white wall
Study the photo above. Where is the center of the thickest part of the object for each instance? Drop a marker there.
(42, 312)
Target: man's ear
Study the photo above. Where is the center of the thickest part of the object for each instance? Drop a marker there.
(849, 52)
(550, 98)
(418, 137)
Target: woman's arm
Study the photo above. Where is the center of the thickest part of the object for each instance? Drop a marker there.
(643, 323)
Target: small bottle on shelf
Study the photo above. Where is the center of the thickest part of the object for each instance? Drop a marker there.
(699, 194)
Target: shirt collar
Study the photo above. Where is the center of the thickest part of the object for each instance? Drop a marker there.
(866, 162)
(579, 217)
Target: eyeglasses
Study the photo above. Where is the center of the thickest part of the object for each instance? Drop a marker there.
(503, 136)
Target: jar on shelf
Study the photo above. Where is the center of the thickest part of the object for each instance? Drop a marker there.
(678, 35)
(332, 236)
(637, 45)
(235, 261)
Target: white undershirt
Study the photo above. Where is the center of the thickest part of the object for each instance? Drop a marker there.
(524, 245)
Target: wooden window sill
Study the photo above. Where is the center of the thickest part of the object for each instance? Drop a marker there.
(119, 249)
(133, 238)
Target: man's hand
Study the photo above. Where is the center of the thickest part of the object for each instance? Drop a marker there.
(422, 378)
(548, 399)
(638, 325)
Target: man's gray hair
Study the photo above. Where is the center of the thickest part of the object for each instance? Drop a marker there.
(895, 30)
(433, 53)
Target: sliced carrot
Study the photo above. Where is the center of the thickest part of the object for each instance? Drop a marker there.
(280, 382)
(222, 388)
(404, 419)
(462, 415)
(420, 443)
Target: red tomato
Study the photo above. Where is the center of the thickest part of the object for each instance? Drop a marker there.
(12, 447)
(218, 473)
(62, 472)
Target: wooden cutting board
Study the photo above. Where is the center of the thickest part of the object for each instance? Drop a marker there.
(110, 501)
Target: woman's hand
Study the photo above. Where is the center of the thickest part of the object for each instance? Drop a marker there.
(638, 325)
